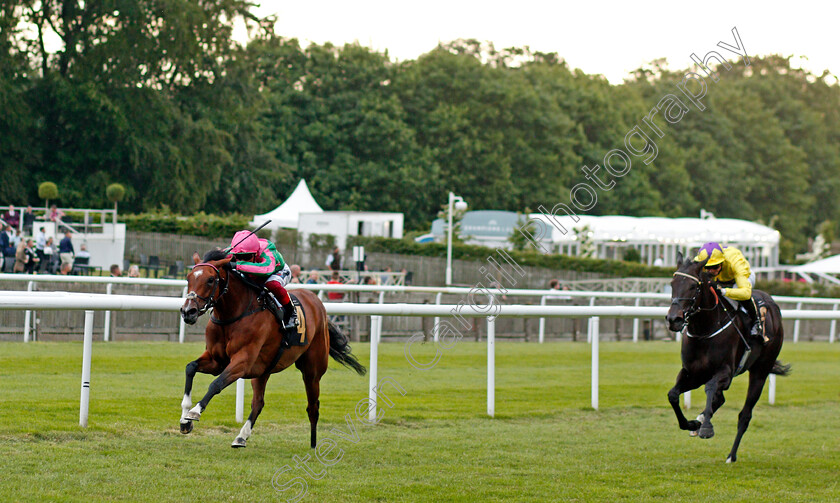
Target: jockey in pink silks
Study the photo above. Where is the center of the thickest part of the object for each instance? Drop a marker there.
(260, 260)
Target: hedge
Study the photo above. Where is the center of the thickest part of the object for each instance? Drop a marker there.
(798, 289)
(200, 224)
(617, 268)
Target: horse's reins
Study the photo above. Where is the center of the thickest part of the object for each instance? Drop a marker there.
(693, 310)
(247, 312)
(209, 301)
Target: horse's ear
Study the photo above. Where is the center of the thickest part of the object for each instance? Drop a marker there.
(196, 258)
(679, 259)
(225, 261)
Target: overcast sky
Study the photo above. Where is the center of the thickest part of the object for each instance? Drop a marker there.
(610, 38)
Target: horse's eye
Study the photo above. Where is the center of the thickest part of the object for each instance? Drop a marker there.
(211, 281)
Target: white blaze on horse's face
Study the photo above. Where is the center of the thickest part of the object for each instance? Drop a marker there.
(198, 273)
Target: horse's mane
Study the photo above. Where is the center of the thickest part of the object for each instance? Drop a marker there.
(214, 255)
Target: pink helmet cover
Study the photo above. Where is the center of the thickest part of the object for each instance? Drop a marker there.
(251, 243)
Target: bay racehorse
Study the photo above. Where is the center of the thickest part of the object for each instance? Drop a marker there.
(243, 340)
(716, 348)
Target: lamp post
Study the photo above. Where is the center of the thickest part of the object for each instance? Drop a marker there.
(459, 204)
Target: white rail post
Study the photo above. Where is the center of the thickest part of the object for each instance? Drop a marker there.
(491, 367)
(687, 399)
(106, 336)
(771, 395)
(182, 326)
(373, 368)
(437, 318)
(87, 347)
(542, 322)
(833, 332)
(796, 324)
(589, 326)
(594, 329)
(27, 315)
(636, 323)
(240, 400)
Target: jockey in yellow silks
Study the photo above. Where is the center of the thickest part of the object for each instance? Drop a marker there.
(731, 270)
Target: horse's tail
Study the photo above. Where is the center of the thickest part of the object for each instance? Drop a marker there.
(340, 350)
(780, 368)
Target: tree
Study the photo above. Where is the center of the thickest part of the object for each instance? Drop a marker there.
(47, 191)
(115, 193)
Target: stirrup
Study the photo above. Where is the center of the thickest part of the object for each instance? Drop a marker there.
(293, 322)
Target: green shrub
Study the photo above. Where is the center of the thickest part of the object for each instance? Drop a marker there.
(115, 192)
(200, 224)
(530, 258)
(797, 289)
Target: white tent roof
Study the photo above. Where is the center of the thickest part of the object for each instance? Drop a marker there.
(664, 230)
(830, 265)
(286, 215)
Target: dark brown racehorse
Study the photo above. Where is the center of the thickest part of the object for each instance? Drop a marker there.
(714, 345)
(243, 340)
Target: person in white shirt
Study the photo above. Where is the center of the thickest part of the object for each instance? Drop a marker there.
(40, 243)
(83, 253)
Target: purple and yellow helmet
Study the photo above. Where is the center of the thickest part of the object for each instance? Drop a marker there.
(711, 251)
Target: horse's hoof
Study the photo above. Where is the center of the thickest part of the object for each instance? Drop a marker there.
(692, 433)
(186, 427)
(192, 416)
(730, 460)
(238, 442)
(707, 432)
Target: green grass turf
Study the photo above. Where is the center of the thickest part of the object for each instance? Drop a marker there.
(436, 442)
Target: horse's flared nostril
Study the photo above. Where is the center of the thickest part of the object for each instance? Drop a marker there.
(189, 315)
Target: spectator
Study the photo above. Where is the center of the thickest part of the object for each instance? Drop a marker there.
(555, 285)
(32, 259)
(406, 276)
(659, 262)
(50, 256)
(83, 253)
(56, 214)
(295, 274)
(133, 271)
(313, 278)
(115, 271)
(15, 238)
(65, 250)
(6, 242)
(28, 220)
(335, 279)
(20, 257)
(334, 260)
(387, 276)
(11, 217)
(65, 269)
(40, 243)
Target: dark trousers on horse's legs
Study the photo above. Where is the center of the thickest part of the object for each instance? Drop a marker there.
(279, 292)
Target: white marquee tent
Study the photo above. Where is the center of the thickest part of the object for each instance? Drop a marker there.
(287, 214)
(655, 236)
(830, 265)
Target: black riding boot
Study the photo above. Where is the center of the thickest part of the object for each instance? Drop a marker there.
(290, 320)
(757, 330)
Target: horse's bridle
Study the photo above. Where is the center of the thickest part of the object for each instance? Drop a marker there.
(209, 301)
(693, 308)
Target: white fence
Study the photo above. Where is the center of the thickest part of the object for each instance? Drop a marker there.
(544, 295)
(90, 302)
